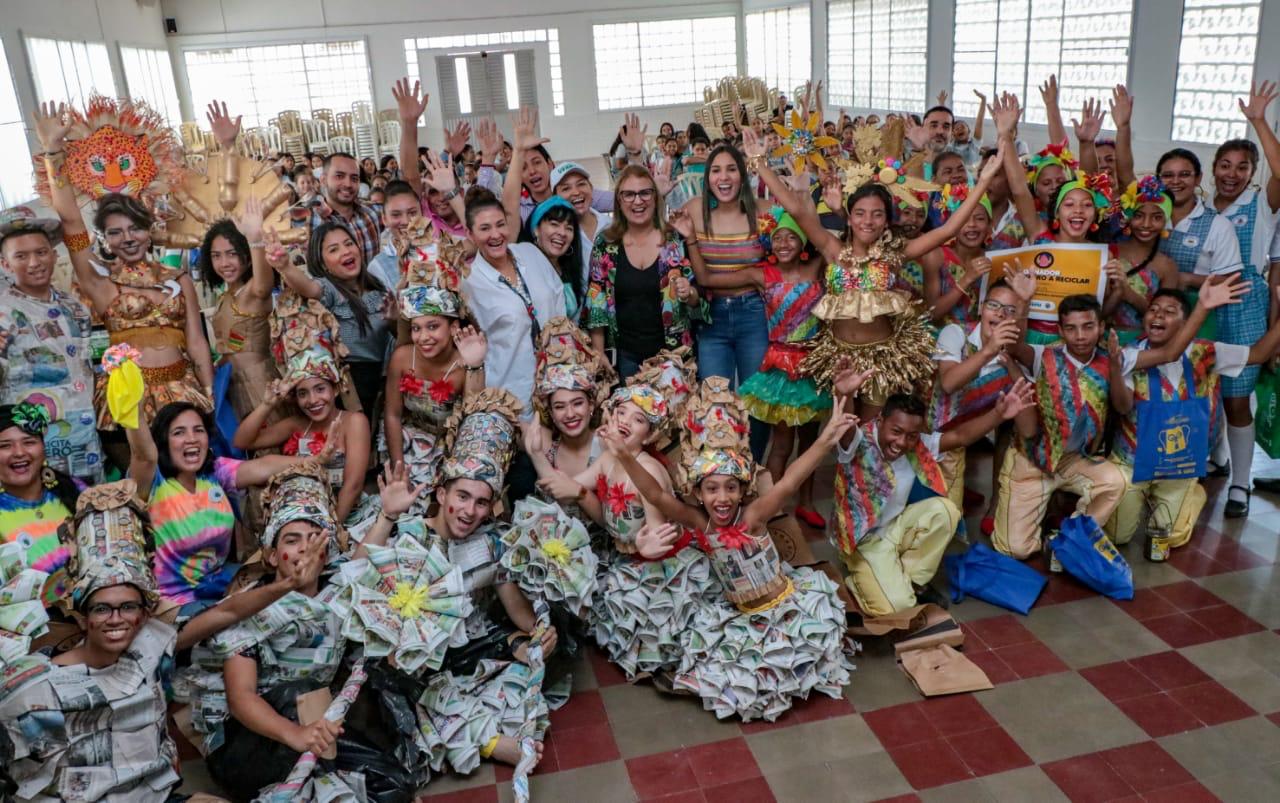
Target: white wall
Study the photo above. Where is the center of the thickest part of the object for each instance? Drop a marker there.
(581, 132)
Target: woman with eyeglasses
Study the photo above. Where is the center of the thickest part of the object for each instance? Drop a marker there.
(642, 296)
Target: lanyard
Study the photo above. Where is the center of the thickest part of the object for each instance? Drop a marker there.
(521, 289)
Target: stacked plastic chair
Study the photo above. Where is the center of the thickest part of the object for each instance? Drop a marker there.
(365, 130)
(317, 133)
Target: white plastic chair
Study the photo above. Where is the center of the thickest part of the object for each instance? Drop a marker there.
(389, 138)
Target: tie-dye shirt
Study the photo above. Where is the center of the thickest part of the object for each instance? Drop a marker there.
(34, 525)
(193, 531)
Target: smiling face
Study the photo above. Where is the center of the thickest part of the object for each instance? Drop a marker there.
(340, 254)
(959, 132)
(316, 398)
(554, 237)
(291, 541)
(996, 309)
(305, 183)
(432, 334)
(576, 189)
(868, 219)
(910, 220)
(1076, 214)
(1147, 223)
(188, 442)
(637, 197)
(21, 459)
(489, 232)
(1162, 320)
(632, 424)
(464, 505)
(125, 238)
(1232, 173)
(226, 261)
(536, 175)
(570, 412)
(399, 211)
(109, 629)
(786, 245)
(724, 178)
(976, 230)
(1180, 179)
(899, 433)
(30, 258)
(1048, 183)
(950, 170)
(1081, 331)
(342, 180)
(938, 124)
(721, 497)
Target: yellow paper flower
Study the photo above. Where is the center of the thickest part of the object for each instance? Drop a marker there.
(407, 599)
(557, 550)
(802, 143)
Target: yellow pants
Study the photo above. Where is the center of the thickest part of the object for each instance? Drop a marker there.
(1175, 504)
(1025, 491)
(906, 551)
(951, 464)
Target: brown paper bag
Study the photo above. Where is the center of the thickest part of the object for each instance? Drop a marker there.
(790, 542)
(941, 670)
(932, 627)
(311, 708)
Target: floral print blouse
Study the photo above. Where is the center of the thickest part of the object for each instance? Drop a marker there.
(677, 317)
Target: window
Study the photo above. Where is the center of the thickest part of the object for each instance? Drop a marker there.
(778, 47)
(148, 74)
(1215, 66)
(1015, 45)
(549, 35)
(485, 84)
(876, 53)
(678, 59)
(260, 82)
(70, 72)
(15, 170)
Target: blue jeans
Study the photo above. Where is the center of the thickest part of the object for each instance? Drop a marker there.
(733, 346)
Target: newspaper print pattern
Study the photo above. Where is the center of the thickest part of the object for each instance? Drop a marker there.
(22, 613)
(548, 555)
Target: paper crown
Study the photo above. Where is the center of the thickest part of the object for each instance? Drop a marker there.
(106, 539)
(661, 388)
(481, 438)
(568, 361)
(305, 341)
(881, 153)
(715, 437)
(432, 265)
(299, 493)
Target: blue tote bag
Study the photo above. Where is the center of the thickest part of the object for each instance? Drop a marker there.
(1173, 436)
(983, 573)
(1087, 554)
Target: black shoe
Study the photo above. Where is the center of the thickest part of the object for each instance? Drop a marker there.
(927, 594)
(1217, 470)
(1269, 485)
(1234, 509)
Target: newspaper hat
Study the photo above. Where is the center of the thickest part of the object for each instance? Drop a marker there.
(107, 540)
(299, 493)
(431, 272)
(22, 220)
(305, 341)
(661, 388)
(568, 361)
(481, 438)
(715, 436)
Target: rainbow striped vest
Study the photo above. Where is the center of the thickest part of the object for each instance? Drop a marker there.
(1071, 400)
(974, 399)
(865, 483)
(1202, 356)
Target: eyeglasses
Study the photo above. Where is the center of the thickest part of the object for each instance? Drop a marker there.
(632, 195)
(1003, 309)
(101, 611)
(1184, 175)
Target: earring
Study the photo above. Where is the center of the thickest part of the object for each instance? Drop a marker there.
(804, 256)
(1093, 227)
(1054, 224)
(1164, 234)
(49, 478)
(1126, 231)
(712, 202)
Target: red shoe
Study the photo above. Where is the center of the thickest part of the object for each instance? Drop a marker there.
(988, 525)
(811, 518)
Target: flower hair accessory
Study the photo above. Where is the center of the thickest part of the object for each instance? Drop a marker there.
(125, 386)
(29, 417)
(953, 197)
(1148, 190)
(1053, 154)
(802, 143)
(1098, 185)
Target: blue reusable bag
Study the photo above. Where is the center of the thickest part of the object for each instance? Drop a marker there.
(1172, 436)
(225, 422)
(995, 578)
(1087, 554)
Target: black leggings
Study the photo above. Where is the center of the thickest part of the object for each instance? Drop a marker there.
(366, 377)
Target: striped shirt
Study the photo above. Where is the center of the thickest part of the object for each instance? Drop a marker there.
(193, 531)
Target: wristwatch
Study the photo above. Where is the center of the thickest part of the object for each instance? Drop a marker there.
(451, 194)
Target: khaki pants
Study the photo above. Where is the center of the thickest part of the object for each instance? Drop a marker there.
(1175, 504)
(1025, 492)
(908, 550)
(951, 464)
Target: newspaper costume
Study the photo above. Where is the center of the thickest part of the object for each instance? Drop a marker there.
(777, 632)
(22, 613)
(646, 605)
(96, 734)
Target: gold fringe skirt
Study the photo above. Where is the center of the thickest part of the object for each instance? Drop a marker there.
(903, 362)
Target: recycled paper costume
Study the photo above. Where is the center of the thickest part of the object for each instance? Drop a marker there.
(96, 734)
(645, 606)
(776, 633)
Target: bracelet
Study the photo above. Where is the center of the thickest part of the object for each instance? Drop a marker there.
(479, 367)
(451, 194)
(487, 749)
(382, 514)
(258, 244)
(76, 242)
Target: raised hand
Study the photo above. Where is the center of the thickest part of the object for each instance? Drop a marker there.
(981, 97)
(917, 134)
(655, 540)
(525, 124)
(490, 139)
(1022, 283)
(52, 124)
(333, 438)
(1114, 349)
(632, 133)
(1090, 122)
(1121, 106)
(438, 175)
(752, 144)
(846, 381)
(839, 423)
(224, 129)
(1217, 291)
(1003, 335)
(976, 269)
(682, 223)
(456, 140)
(1115, 274)
(394, 490)
(278, 391)
(308, 562)
(1022, 396)
(277, 254)
(249, 221)
(1260, 97)
(942, 98)
(472, 346)
(408, 103)
(611, 439)
(534, 437)
(1049, 92)
(1005, 111)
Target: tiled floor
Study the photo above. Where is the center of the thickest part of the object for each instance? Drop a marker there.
(1174, 696)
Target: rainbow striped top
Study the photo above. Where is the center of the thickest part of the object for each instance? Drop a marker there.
(789, 306)
(1073, 404)
(34, 525)
(732, 253)
(193, 531)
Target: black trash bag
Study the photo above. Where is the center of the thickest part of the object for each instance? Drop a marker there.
(8, 787)
(247, 761)
(395, 696)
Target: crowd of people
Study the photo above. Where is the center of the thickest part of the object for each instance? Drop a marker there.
(453, 416)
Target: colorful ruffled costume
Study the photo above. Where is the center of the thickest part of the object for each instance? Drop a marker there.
(776, 633)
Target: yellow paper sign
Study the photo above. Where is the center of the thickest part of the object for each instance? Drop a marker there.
(1061, 271)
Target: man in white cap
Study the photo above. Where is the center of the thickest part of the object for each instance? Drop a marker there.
(44, 343)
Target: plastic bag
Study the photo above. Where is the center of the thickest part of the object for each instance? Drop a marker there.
(1267, 419)
(995, 578)
(1087, 554)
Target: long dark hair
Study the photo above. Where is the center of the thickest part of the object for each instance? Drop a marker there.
(1248, 148)
(116, 203)
(223, 228)
(569, 265)
(364, 281)
(1180, 153)
(868, 190)
(746, 199)
(160, 434)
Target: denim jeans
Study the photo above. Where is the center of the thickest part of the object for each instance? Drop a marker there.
(733, 346)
